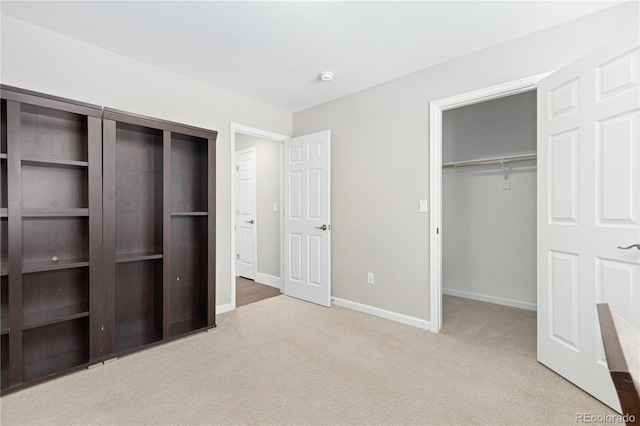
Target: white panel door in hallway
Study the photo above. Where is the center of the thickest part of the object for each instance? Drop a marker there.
(307, 221)
(246, 213)
(588, 207)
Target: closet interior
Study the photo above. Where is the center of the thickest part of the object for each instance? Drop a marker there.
(489, 201)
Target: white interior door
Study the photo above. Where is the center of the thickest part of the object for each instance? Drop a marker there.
(588, 206)
(307, 220)
(246, 213)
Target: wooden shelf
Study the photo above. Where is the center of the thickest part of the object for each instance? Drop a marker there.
(4, 272)
(4, 212)
(55, 212)
(55, 364)
(3, 156)
(187, 326)
(135, 257)
(54, 266)
(133, 341)
(4, 326)
(54, 163)
(189, 213)
(52, 316)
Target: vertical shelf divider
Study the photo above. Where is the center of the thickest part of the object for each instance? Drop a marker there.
(108, 340)
(14, 212)
(166, 234)
(211, 228)
(96, 289)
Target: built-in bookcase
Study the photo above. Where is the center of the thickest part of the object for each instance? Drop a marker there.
(107, 234)
(51, 216)
(159, 245)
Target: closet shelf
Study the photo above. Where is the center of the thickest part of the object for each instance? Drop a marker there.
(487, 161)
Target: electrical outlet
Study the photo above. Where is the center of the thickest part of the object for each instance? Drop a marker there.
(370, 277)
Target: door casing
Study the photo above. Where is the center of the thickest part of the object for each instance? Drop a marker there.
(252, 131)
(436, 109)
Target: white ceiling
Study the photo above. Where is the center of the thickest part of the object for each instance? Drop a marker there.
(274, 51)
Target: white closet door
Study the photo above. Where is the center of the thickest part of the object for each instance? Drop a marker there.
(588, 207)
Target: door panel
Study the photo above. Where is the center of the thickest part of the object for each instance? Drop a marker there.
(588, 204)
(307, 241)
(614, 144)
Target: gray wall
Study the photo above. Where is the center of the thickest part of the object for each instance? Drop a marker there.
(380, 156)
(500, 127)
(489, 234)
(267, 194)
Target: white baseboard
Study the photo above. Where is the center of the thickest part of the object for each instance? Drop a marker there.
(382, 313)
(221, 309)
(269, 280)
(491, 299)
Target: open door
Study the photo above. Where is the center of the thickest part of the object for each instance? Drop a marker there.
(246, 213)
(588, 209)
(307, 218)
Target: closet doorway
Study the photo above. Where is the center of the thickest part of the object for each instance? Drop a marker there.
(484, 175)
(489, 201)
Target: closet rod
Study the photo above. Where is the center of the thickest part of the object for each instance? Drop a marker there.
(485, 161)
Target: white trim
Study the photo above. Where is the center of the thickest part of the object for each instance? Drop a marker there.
(435, 175)
(221, 309)
(382, 313)
(491, 299)
(239, 128)
(269, 280)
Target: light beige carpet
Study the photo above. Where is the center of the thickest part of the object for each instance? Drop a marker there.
(284, 361)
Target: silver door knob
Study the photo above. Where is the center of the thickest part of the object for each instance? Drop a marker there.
(250, 221)
(631, 246)
(323, 227)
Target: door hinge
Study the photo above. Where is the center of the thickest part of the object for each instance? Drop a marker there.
(237, 168)
(237, 256)
(438, 231)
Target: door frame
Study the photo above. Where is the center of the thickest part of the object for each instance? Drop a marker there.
(251, 131)
(255, 209)
(436, 108)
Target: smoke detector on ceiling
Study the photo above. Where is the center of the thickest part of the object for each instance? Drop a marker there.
(326, 76)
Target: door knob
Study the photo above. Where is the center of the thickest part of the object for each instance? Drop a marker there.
(631, 246)
(250, 221)
(323, 227)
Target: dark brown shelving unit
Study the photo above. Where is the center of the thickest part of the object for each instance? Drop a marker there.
(107, 234)
(159, 223)
(51, 222)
